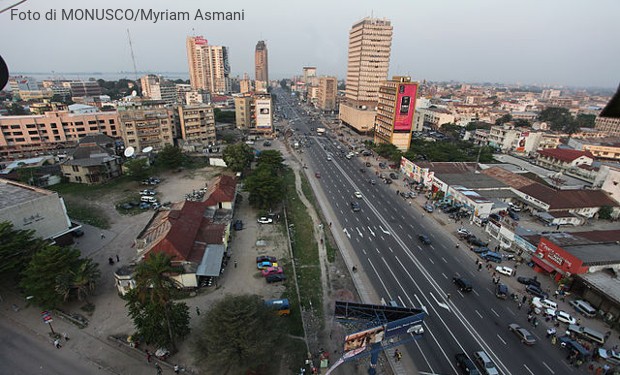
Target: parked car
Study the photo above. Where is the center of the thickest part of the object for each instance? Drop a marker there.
(466, 364)
(393, 176)
(480, 250)
(144, 205)
(528, 281)
(505, 270)
(265, 220)
(388, 181)
(271, 271)
(424, 239)
(513, 215)
(148, 192)
(275, 278)
(358, 195)
(429, 208)
(238, 225)
(476, 241)
(463, 232)
(523, 334)
(368, 164)
(77, 233)
(501, 291)
(462, 284)
(265, 265)
(382, 165)
(372, 182)
(265, 258)
(533, 289)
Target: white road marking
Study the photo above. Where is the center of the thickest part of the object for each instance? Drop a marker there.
(383, 230)
(408, 235)
(496, 314)
(528, 369)
(500, 339)
(441, 304)
(359, 232)
(444, 260)
(430, 260)
(371, 232)
(548, 368)
(419, 247)
(480, 315)
(444, 275)
(420, 304)
(401, 227)
(476, 293)
(390, 249)
(380, 279)
(347, 232)
(432, 247)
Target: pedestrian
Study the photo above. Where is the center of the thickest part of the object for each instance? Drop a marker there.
(197, 311)
(117, 258)
(148, 356)
(64, 334)
(448, 296)
(158, 367)
(397, 355)
(176, 369)
(57, 344)
(519, 305)
(102, 235)
(110, 261)
(235, 264)
(524, 299)
(330, 224)
(479, 266)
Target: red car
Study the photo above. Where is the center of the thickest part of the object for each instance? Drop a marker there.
(271, 271)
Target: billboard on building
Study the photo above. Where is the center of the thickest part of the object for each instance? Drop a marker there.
(521, 143)
(405, 106)
(263, 114)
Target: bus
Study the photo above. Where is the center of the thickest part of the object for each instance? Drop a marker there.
(280, 306)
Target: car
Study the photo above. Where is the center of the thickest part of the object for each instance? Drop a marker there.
(148, 192)
(329, 158)
(505, 270)
(368, 164)
(514, 207)
(466, 364)
(429, 208)
(144, 205)
(366, 153)
(77, 233)
(266, 258)
(317, 175)
(275, 278)
(501, 291)
(462, 284)
(265, 265)
(362, 170)
(382, 165)
(265, 220)
(355, 206)
(358, 195)
(523, 334)
(533, 289)
(238, 225)
(404, 194)
(476, 241)
(463, 232)
(126, 206)
(271, 271)
(480, 250)
(513, 215)
(393, 176)
(424, 239)
(412, 194)
(372, 182)
(388, 181)
(528, 281)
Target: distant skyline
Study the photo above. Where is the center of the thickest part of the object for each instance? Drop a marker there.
(555, 42)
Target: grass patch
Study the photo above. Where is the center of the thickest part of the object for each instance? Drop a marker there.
(305, 249)
(89, 191)
(88, 214)
(293, 323)
(307, 190)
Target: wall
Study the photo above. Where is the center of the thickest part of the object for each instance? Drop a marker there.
(555, 255)
(46, 215)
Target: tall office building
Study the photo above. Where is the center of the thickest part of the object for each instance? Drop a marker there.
(261, 62)
(157, 88)
(370, 44)
(328, 88)
(245, 85)
(209, 69)
(395, 111)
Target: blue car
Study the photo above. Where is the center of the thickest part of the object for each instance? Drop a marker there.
(265, 264)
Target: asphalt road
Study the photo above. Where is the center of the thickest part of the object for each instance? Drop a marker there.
(384, 236)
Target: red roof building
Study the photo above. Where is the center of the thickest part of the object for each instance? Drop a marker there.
(560, 159)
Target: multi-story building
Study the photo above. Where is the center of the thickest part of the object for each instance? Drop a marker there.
(370, 45)
(261, 64)
(328, 88)
(243, 111)
(157, 88)
(245, 85)
(560, 159)
(28, 135)
(609, 118)
(197, 125)
(145, 124)
(600, 148)
(209, 69)
(550, 94)
(181, 90)
(94, 161)
(432, 118)
(22, 83)
(85, 88)
(395, 109)
(309, 76)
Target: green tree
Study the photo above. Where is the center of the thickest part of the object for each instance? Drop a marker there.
(605, 212)
(138, 169)
(237, 333)
(17, 247)
(558, 118)
(585, 120)
(504, 119)
(15, 109)
(156, 317)
(522, 123)
(224, 116)
(47, 266)
(170, 157)
(80, 282)
(284, 85)
(265, 187)
(271, 158)
(388, 151)
(238, 156)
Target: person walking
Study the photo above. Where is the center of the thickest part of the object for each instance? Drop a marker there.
(64, 334)
(148, 356)
(117, 258)
(158, 367)
(397, 355)
(102, 235)
(57, 344)
(197, 311)
(235, 264)
(176, 369)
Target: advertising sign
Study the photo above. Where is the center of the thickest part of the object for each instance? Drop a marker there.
(408, 325)
(405, 106)
(363, 339)
(522, 140)
(263, 114)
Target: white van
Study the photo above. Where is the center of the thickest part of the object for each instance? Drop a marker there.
(584, 308)
(485, 362)
(148, 199)
(587, 333)
(547, 304)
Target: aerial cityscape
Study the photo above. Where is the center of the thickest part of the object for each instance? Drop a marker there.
(326, 188)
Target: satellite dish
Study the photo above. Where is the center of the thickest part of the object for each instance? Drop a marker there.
(129, 151)
(146, 150)
(134, 93)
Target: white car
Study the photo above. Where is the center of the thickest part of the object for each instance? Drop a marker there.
(505, 270)
(564, 317)
(358, 195)
(265, 220)
(462, 231)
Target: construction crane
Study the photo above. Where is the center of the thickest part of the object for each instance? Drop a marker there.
(133, 58)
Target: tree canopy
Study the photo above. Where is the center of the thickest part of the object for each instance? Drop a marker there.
(388, 151)
(238, 156)
(238, 332)
(558, 118)
(17, 248)
(170, 157)
(504, 119)
(138, 169)
(443, 151)
(224, 116)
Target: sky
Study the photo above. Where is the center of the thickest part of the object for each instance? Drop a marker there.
(550, 42)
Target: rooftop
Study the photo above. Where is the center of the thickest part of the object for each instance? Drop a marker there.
(564, 154)
(13, 193)
(470, 180)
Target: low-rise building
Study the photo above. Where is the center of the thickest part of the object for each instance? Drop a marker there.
(561, 159)
(94, 161)
(197, 126)
(147, 124)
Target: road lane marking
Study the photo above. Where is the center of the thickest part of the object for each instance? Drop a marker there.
(380, 279)
(528, 369)
(500, 339)
(359, 232)
(420, 304)
(419, 247)
(548, 368)
(401, 227)
(444, 260)
(364, 251)
(480, 315)
(408, 235)
(496, 314)
(476, 293)
(444, 275)
(371, 232)
(347, 232)
(441, 304)
(390, 249)
(430, 260)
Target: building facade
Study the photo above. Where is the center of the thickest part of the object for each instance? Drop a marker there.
(85, 88)
(370, 44)
(245, 85)
(328, 88)
(94, 161)
(261, 65)
(395, 112)
(24, 136)
(147, 124)
(209, 69)
(243, 111)
(255, 112)
(157, 88)
(197, 126)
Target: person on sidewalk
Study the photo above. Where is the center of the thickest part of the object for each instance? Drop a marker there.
(397, 355)
(57, 344)
(64, 334)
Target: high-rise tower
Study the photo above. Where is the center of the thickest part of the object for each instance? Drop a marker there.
(261, 63)
(209, 69)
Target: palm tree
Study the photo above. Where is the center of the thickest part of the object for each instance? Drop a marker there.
(155, 286)
(85, 278)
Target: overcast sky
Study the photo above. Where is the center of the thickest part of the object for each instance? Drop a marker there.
(555, 42)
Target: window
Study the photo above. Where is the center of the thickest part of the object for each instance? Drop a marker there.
(75, 168)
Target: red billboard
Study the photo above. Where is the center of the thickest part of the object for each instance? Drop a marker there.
(405, 106)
